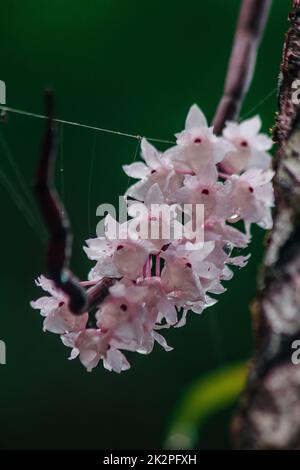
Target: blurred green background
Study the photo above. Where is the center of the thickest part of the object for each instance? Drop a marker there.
(135, 66)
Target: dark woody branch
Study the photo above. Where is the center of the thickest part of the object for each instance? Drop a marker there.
(60, 241)
(250, 26)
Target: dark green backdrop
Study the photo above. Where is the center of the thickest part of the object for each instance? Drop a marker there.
(136, 66)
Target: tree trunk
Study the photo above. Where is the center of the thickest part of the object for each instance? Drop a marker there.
(269, 415)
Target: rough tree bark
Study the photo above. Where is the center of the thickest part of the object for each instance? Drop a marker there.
(269, 415)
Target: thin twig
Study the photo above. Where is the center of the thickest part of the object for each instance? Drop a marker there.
(60, 242)
(250, 26)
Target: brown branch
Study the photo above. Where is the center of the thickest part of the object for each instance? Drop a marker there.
(269, 417)
(97, 293)
(60, 243)
(250, 26)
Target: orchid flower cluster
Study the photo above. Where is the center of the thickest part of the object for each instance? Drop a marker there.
(157, 281)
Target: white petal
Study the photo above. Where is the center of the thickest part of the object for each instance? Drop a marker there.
(167, 310)
(45, 304)
(49, 286)
(174, 154)
(195, 118)
(259, 159)
(139, 189)
(74, 353)
(104, 267)
(221, 148)
(69, 339)
(154, 195)
(97, 247)
(262, 142)
(200, 250)
(182, 321)
(115, 361)
(118, 290)
(150, 154)
(161, 340)
(55, 323)
(231, 130)
(240, 261)
(136, 170)
(267, 222)
(198, 308)
(250, 127)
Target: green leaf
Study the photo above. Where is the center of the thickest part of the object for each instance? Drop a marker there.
(217, 390)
